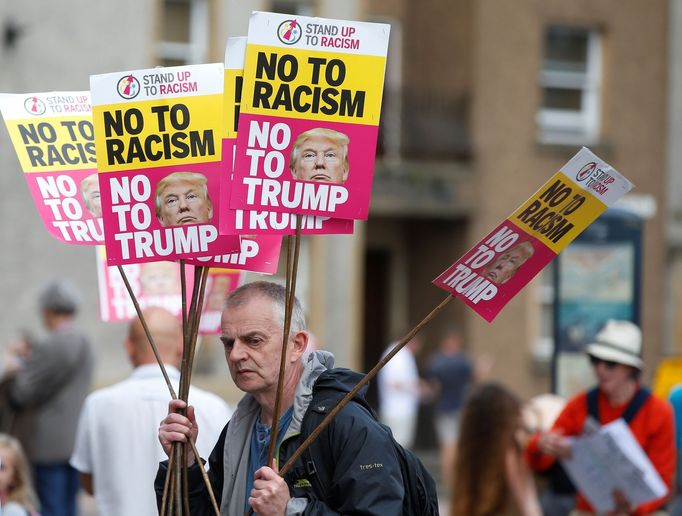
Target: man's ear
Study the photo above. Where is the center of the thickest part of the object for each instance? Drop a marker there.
(345, 174)
(130, 350)
(298, 345)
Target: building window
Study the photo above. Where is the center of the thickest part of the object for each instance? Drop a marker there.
(570, 79)
(298, 7)
(184, 32)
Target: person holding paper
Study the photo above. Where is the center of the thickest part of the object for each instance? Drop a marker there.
(182, 198)
(616, 358)
(320, 154)
(365, 474)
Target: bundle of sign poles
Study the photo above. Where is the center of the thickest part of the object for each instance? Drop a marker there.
(175, 500)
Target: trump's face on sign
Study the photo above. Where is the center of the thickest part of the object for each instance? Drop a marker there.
(505, 265)
(320, 154)
(182, 198)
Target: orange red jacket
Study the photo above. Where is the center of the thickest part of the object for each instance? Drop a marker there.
(652, 426)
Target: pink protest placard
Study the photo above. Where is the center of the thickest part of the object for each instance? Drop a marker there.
(53, 136)
(220, 282)
(492, 272)
(251, 221)
(153, 283)
(309, 116)
(158, 143)
(258, 253)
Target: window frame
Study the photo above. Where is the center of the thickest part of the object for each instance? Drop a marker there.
(195, 50)
(567, 126)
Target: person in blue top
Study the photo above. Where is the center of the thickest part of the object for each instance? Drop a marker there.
(450, 372)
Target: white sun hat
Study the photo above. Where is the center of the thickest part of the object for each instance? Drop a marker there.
(618, 341)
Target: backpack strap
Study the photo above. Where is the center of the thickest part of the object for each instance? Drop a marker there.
(593, 403)
(638, 400)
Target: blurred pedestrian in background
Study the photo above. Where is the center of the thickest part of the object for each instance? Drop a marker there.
(450, 374)
(17, 496)
(400, 391)
(118, 462)
(52, 376)
(558, 496)
(491, 477)
(616, 358)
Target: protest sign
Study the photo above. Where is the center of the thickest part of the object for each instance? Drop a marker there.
(158, 143)
(309, 115)
(53, 137)
(220, 283)
(153, 283)
(159, 284)
(258, 253)
(251, 221)
(492, 272)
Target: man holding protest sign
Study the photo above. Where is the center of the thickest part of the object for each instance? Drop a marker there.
(365, 475)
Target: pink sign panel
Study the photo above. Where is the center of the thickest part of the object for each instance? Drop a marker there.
(271, 222)
(259, 253)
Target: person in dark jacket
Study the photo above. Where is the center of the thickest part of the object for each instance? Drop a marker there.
(365, 474)
(52, 377)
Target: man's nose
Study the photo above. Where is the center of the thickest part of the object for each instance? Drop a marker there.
(237, 353)
(182, 203)
(319, 160)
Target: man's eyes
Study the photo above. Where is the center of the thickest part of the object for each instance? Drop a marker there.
(249, 341)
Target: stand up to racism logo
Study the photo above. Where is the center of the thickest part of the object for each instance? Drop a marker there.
(128, 87)
(289, 32)
(34, 106)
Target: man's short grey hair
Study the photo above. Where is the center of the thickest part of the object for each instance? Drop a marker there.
(60, 297)
(277, 294)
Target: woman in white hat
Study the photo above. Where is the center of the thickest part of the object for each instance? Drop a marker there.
(616, 358)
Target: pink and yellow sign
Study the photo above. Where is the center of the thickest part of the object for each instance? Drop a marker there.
(153, 283)
(309, 116)
(491, 273)
(256, 222)
(220, 283)
(54, 140)
(158, 136)
(159, 284)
